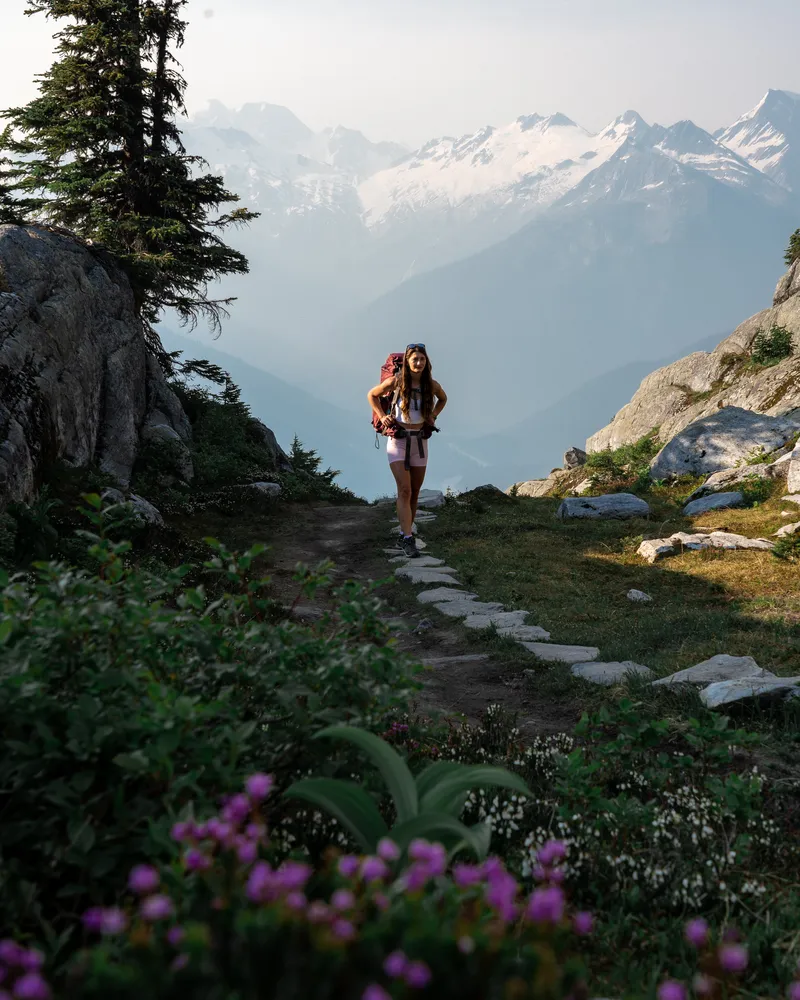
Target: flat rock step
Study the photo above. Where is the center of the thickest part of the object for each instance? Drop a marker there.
(420, 562)
(610, 673)
(555, 653)
(721, 667)
(728, 692)
(441, 594)
(413, 566)
(428, 575)
(498, 619)
(461, 609)
(652, 549)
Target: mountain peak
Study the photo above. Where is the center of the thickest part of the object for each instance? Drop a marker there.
(630, 123)
(557, 121)
(528, 121)
(768, 137)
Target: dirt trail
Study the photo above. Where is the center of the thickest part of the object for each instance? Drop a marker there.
(460, 678)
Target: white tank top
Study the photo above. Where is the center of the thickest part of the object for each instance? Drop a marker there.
(414, 409)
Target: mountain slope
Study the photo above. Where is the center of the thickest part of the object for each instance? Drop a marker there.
(344, 440)
(644, 254)
(698, 385)
(768, 137)
(531, 448)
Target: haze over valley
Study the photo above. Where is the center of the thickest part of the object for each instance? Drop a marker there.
(532, 257)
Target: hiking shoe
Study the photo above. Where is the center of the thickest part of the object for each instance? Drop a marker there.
(409, 547)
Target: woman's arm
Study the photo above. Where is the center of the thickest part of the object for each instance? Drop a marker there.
(374, 397)
(441, 399)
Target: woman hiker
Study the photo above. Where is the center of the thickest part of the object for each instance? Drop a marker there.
(419, 401)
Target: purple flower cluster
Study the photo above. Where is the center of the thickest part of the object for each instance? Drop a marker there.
(238, 828)
(730, 958)
(21, 973)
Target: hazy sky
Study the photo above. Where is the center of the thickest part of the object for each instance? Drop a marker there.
(413, 69)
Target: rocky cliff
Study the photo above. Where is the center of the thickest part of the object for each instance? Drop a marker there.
(77, 382)
(699, 385)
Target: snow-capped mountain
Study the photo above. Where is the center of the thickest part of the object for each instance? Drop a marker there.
(532, 162)
(490, 233)
(768, 137)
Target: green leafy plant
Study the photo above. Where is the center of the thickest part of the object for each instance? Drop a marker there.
(756, 489)
(428, 806)
(787, 548)
(793, 249)
(626, 467)
(124, 693)
(36, 534)
(770, 348)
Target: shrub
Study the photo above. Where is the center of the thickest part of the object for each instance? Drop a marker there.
(793, 250)
(228, 921)
(772, 347)
(756, 489)
(124, 694)
(788, 548)
(625, 467)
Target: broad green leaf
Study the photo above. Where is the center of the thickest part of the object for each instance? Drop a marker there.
(396, 774)
(474, 776)
(434, 773)
(346, 802)
(439, 827)
(5, 630)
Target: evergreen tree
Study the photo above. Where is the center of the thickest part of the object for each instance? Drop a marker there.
(13, 210)
(103, 152)
(793, 250)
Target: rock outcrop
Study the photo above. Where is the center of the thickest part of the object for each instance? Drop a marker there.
(77, 382)
(613, 506)
(701, 384)
(722, 440)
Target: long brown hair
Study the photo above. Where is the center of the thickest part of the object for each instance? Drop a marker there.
(425, 385)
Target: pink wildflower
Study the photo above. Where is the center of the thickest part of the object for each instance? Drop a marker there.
(375, 992)
(258, 786)
(343, 899)
(373, 869)
(417, 975)
(349, 865)
(583, 923)
(733, 958)
(546, 905)
(696, 932)
(671, 990)
(388, 850)
(395, 965)
(31, 986)
(143, 879)
(157, 907)
(343, 929)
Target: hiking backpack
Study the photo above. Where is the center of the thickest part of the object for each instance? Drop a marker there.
(391, 367)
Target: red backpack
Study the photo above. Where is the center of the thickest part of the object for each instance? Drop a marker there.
(391, 367)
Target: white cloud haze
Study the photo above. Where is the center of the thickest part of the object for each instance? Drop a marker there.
(424, 68)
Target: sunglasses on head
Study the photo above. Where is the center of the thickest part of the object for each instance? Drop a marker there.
(415, 347)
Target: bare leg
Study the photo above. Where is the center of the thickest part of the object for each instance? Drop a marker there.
(403, 480)
(417, 479)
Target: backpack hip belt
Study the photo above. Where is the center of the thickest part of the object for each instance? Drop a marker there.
(402, 433)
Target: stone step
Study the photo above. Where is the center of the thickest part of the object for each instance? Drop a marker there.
(461, 609)
(610, 673)
(442, 594)
(419, 562)
(427, 575)
(555, 653)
